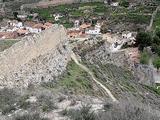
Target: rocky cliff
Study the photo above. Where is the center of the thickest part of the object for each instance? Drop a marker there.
(34, 59)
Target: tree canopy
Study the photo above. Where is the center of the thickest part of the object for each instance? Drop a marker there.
(156, 63)
(124, 3)
(158, 32)
(156, 40)
(143, 39)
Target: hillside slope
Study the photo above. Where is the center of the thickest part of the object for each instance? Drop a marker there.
(54, 87)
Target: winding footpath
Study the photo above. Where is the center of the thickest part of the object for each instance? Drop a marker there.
(74, 58)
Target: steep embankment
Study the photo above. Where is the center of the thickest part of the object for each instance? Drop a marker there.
(73, 56)
(35, 59)
(113, 71)
(102, 54)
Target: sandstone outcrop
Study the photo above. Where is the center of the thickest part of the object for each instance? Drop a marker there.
(41, 57)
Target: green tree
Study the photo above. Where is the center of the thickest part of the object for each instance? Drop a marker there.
(158, 32)
(156, 49)
(144, 59)
(124, 3)
(156, 63)
(156, 40)
(143, 39)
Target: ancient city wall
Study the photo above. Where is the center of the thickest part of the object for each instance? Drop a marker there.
(41, 57)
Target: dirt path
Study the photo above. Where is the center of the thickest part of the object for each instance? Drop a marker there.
(152, 19)
(73, 56)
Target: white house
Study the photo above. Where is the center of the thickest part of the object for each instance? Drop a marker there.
(19, 24)
(76, 23)
(126, 35)
(93, 32)
(22, 16)
(114, 4)
(15, 29)
(9, 30)
(96, 31)
(57, 16)
(97, 26)
(33, 30)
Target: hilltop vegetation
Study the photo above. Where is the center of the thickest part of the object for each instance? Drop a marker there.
(138, 16)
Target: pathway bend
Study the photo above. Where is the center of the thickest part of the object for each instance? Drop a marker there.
(74, 58)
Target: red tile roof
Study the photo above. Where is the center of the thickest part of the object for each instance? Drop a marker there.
(8, 35)
(48, 24)
(22, 31)
(84, 26)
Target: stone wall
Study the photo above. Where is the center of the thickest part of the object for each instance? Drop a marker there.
(41, 57)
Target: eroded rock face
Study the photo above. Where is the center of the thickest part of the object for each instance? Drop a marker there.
(35, 59)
